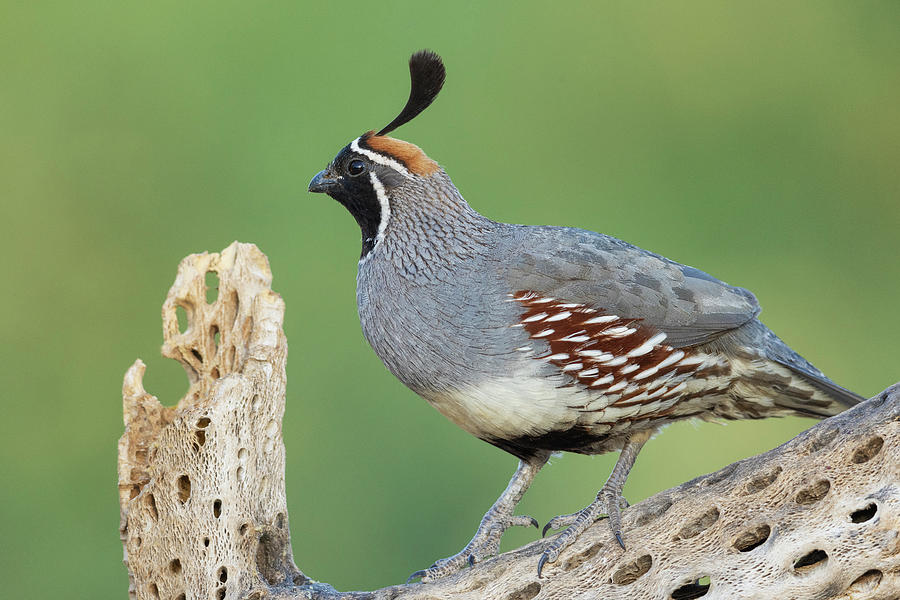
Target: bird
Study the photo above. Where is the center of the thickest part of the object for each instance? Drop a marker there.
(547, 339)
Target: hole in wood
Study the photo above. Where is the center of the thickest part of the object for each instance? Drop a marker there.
(868, 450)
(220, 593)
(200, 433)
(864, 514)
(699, 525)
(206, 542)
(154, 591)
(214, 335)
(653, 512)
(217, 508)
(181, 316)
(184, 488)
(813, 493)
(583, 556)
(223, 574)
(695, 589)
(526, 593)
(631, 572)
(197, 355)
(212, 286)
(810, 560)
(752, 538)
(175, 566)
(761, 482)
(867, 582)
(714, 478)
(151, 506)
(823, 440)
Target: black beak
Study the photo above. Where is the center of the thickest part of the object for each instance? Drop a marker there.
(322, 183)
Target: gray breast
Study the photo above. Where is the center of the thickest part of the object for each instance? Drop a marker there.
(444, 331)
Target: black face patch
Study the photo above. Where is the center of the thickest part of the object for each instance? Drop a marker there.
(357, 193)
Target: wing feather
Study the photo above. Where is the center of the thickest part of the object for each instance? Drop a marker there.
(690, 306)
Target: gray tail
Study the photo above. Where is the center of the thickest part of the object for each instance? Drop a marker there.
(841, 398)
(829, 398)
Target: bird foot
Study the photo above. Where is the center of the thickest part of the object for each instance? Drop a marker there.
(576, 523)
(485, 543)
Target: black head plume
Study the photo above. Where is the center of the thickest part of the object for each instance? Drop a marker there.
(426, 75)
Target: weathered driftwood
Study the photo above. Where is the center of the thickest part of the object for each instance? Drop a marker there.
(204, 515)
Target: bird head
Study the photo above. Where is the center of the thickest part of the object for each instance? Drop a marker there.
(366, 171)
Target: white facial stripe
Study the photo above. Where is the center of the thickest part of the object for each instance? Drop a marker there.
(385, 214)
(378, 158)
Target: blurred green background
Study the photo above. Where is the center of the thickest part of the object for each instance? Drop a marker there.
(756, 141)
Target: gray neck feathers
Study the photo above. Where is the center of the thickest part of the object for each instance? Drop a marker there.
(430, 298)
(432, 229)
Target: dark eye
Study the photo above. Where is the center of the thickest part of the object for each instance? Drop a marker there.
(356, 167)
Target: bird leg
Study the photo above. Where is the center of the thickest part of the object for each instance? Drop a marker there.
(498, 519)
(609, 498)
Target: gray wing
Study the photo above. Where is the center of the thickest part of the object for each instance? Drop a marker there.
(581, 266)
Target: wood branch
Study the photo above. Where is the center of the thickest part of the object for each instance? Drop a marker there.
(204, 514)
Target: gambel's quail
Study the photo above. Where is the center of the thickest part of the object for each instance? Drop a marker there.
(547, 339)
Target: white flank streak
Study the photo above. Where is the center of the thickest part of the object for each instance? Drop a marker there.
(560, 356)
(648, 345)
(385, 215)
(628, 369)
(534, 318)
(523, 348)
(645, 373)
(617, 387)
(603, 319)
(602, 380)
(572, 367)
(619, 360)
(378, 158)
(543, 333)
(677, 389)
(589, 372)
(574, 338)
(543, 300)
(658, 392)
(596, 354)
(620, 331)
(567, 305)
(671, 359)
(559, 317)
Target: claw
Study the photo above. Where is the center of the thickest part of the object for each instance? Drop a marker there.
(416, 575)
(541, 563)
(619, 539)
(471, 560)
(534, 523)
(543, 534)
